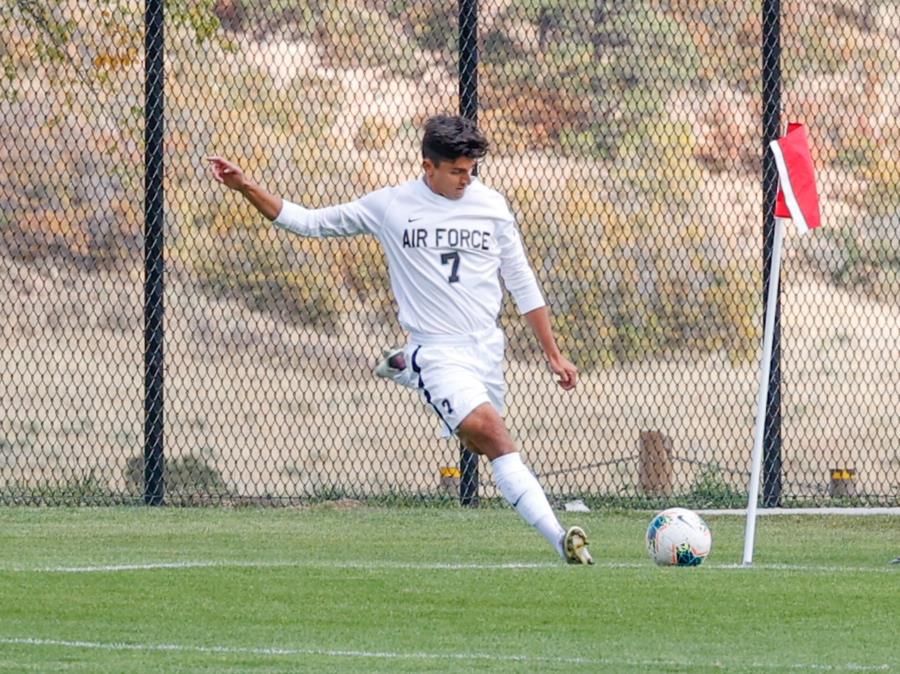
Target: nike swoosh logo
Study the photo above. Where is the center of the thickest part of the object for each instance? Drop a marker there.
(413, 219)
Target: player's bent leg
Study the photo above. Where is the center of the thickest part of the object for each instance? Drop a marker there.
(483, 431)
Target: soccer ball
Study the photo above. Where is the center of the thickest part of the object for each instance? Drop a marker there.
(678, 537)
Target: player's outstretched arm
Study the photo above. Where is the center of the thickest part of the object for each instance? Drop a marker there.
(562, 367)
(231, 175)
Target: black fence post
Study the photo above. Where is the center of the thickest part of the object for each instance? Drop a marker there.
(468, 59)
(154, 486)
(771, 112)
(468, 107)
(468, 481)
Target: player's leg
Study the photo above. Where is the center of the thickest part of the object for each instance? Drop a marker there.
(464, 387)
(484, 432)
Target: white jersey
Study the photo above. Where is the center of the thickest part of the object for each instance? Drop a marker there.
(443, 255)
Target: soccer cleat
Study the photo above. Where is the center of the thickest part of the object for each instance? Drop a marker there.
(392, 364)
(575, 545)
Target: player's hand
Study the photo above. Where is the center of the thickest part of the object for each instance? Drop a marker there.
(227, 173)
(565, 371)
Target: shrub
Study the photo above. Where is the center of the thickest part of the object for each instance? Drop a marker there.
(185, 477)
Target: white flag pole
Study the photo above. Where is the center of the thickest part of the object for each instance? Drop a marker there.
(762, 399)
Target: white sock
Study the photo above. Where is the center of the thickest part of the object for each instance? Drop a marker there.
(553, 531)
(523, 492)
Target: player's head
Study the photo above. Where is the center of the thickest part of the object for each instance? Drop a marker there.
(451, 148)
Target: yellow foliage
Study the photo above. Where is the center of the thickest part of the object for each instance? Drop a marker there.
(627, 260)
(374, 133)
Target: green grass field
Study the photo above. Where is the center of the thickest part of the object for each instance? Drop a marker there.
(326, 589)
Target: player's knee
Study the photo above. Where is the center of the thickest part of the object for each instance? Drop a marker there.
(484, 432)
(499, 447)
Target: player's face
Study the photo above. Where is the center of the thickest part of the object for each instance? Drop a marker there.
(449, 178)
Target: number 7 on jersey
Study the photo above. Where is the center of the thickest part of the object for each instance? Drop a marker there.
(454, 257)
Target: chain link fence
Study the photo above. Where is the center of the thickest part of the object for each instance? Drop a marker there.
(628, 138)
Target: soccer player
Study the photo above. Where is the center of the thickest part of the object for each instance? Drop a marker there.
(446, 236)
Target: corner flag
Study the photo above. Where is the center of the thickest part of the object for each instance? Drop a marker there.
(797, 199)
(797, 195)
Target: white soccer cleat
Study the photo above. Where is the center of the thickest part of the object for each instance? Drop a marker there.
(392, 364)
(575, 545)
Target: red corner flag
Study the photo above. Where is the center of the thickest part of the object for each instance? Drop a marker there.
(797, 196)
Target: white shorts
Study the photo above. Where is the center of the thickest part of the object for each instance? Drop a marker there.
(454, 375)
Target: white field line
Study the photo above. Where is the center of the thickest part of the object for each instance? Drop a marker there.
(397, 655)
(422, 566)
(841, 512)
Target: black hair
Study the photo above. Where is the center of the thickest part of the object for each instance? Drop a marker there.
(449, 138)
